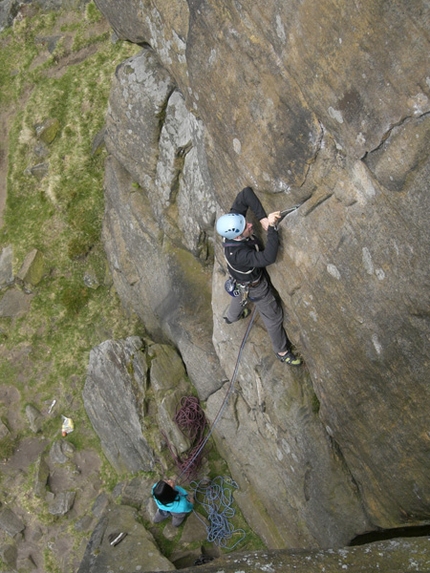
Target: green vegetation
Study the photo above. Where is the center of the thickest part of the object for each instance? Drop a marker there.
(60, 213)
(49, 562)
(55, 71)
(315, 404)
(7, 446)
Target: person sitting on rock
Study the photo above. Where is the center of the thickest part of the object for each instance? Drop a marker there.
(172, 500)
(247, 259)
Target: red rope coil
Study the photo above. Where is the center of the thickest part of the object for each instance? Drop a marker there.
(191, 420)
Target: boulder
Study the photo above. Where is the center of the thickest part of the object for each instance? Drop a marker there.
(15, 303)
(136, 492)
(61, 503)
(138, 549)
(9, 554)
(6, 271)
(61, 452)
(90, 279)
(39, 171)
(117, 369)
(41, 477)
(48, 130)
(132, 406)
(41, 150)
(32, 269)
(35, 418)
(8, 11)
(10, 523)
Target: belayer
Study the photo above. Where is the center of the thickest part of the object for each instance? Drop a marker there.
(247, 259)
(172, 500)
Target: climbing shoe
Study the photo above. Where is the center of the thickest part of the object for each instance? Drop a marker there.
(245, 312)
(289, 358)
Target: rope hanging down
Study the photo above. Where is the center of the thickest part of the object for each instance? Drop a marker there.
(198, 449)
(217, 499)
(189, 417)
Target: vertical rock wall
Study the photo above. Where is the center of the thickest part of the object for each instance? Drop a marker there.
(324, 103)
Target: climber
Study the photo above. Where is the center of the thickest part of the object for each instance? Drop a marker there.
(247, 259)
(172, 500)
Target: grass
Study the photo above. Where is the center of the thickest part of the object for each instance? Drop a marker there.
(7, 447)
(61, 213)
(49, 562)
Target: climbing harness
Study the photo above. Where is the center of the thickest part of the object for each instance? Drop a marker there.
(233, 286)
(217, 498)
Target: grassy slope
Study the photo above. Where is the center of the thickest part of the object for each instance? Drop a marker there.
(61, 214)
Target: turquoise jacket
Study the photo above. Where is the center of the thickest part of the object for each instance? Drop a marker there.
(181, 505)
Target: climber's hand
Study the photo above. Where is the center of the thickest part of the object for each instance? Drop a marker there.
(274, 218)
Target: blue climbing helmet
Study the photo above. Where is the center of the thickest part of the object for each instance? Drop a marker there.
(231, 225)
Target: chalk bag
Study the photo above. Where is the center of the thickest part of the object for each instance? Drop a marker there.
(231, 287)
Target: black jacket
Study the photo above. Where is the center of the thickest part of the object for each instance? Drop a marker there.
(247, 258)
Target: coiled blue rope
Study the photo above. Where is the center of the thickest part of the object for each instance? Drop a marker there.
(216, 497)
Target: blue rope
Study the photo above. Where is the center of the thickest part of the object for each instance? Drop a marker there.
(217, 502)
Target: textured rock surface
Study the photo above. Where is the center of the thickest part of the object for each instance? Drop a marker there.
(356, 289)
(9, 522)
(131, 396)
(321, 102)
(15, 303)
(32, 269)
(138, 550)
(297, 475)
(119, 369)
(61, 503)
(154, 274)
(6, 271)
(398, 556)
